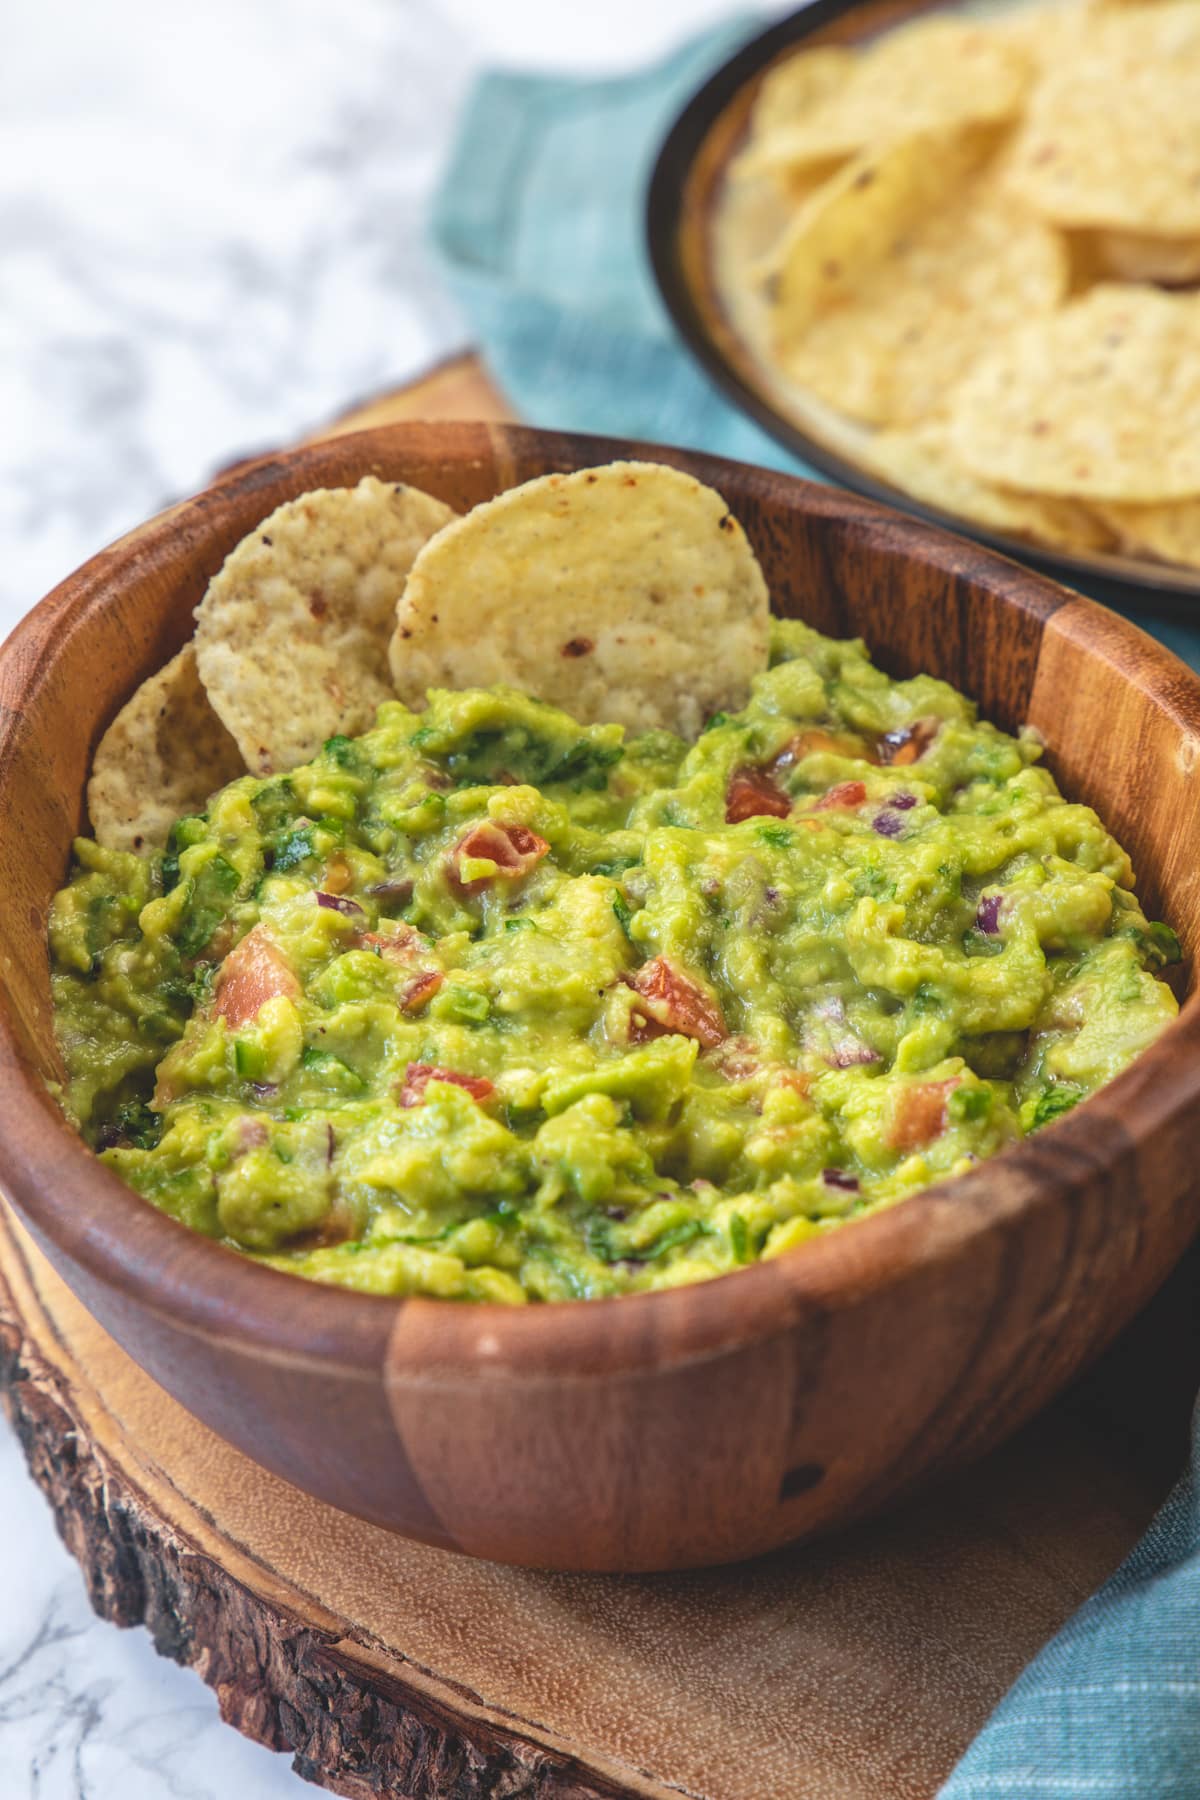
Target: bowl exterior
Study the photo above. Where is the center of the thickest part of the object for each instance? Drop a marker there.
(688, 1427)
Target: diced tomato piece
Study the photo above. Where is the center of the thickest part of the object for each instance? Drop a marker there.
(398, 944)
(844, 796)
(254, 972)
(673, 1002)
(918, 1115)
(514, 849)
(753, 795)
(899, 748)
(418, 1076)
(420, 990)
(798, 1079)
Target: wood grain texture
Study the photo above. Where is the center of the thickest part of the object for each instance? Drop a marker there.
(680, 1428)
(852, 1670)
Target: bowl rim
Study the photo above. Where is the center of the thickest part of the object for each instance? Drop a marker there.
(121, 1241)
(1160, 584)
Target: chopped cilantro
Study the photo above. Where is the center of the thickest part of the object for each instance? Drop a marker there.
(1053, 1102)
(134, 1125)
(1160, 944)
(680, 1234)
(343, 751)
(970, 1103)
(978, 943)
(293, 848)
(212, 887)
(184, 833)
(616, 865)
(624, 917)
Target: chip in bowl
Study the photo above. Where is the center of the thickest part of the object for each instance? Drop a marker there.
(919, 460)
(641, 600)
(930, 75)
(1112, 135)
(292, 634)
(163, 755)
(903, 297)
(1100, 400)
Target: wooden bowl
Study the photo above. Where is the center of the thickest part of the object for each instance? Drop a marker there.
(681, 199)
(690, 1426)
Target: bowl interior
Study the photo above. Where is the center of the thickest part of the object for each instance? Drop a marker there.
(681, 198)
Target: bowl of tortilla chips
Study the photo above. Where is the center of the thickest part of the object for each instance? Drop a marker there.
(952, 259)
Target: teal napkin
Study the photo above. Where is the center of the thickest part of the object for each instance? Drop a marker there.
(538, 225)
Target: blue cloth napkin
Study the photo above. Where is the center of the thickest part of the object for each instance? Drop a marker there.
(538, 224)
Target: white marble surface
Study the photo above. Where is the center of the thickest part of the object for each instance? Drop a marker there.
(210, 239)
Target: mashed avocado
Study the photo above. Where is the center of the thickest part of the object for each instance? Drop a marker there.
(489, 1005)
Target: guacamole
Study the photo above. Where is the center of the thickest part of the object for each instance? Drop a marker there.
(486, 1004)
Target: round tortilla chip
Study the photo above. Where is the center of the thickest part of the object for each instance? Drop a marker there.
(854, 219)
(929, 75)
(795, 85)
(1111, 137)
(163, 755)
(1170, 531)
(1100, 400)
(626, 593)
(883, 329)
(922, 463)
(292, 634)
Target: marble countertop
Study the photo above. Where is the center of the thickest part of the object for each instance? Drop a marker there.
(210, 240)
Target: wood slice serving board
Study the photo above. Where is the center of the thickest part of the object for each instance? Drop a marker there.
(854, 1669)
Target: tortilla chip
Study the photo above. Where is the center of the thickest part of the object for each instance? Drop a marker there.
(793, 87)
(920, 462)
(930, 75)
(1170, 531)
(1141, 256)
(1112, 134)
(292, 635)
(851, 222)
(885, 303)
(627, 593)
(163, 755)
(1100, 400)
(1045, 35)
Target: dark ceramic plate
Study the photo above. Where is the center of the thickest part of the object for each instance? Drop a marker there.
(680, 205)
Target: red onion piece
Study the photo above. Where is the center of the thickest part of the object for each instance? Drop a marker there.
(397, 890)
(851, 1053)
(338, 903)
(838, 1178)
(888, 824)
(987, 916)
